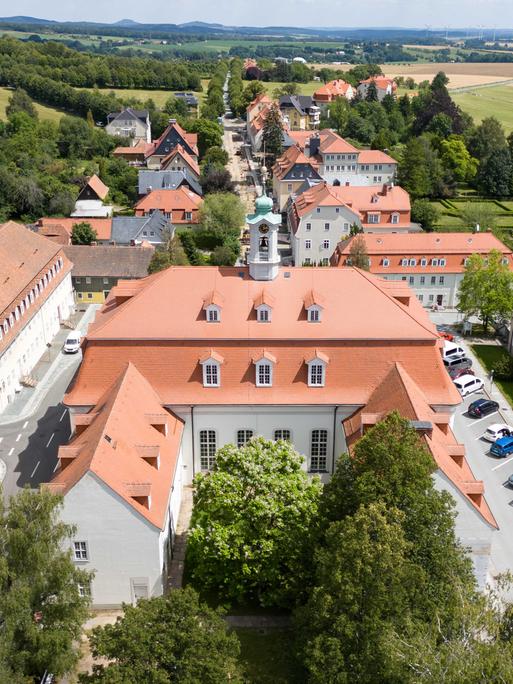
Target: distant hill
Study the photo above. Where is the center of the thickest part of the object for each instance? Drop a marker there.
(27, 20)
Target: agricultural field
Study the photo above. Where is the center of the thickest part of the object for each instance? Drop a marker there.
(461, 75)
(304, 88)
(493, 101)
(44, 112)
(158, 96)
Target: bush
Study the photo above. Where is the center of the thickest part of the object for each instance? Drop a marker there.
(503, 368)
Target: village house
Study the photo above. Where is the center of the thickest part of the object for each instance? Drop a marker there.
(433, 264)
(180, 160)
(190, 100)
(154, 230)
(166, 180)
(256, 113)
(290, 171)
(180, 206)
(135, 155)
(59, 229)
(173, 135)
(130, 123)
(384, 86)
(36, 296)
(89, 202)
(339, 162)
(299, 112)
(321, 215)
(331, 91)
(97, 268)
(311, 355)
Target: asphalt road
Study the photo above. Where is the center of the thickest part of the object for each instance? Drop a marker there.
(29, 447)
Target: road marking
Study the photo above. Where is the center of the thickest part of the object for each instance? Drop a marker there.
(34, 471)
(503, 464)
(53, 435)
(11, 451)
(475, 422)
(63, 414)
(25, 425)
(56, 466)
(18, 437)
(1, 439)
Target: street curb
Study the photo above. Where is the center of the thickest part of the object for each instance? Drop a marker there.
(3, 470)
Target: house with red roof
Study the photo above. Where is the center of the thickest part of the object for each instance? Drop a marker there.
(180, 206)
(180, 160)
(312, 355)
(384, 86)
(433, 264)
(333, 90)
(322, 214)
(256, 113)
(173, 136)
(290, 172)
(90, 201)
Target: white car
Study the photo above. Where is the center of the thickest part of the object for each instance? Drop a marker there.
(496, 431)
(466, 384)
(72, 344)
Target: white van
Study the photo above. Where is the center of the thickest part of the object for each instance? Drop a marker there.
(72, 344)
(466, 384)
(452, 351)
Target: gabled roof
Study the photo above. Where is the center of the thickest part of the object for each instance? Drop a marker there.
(397, 391)
(301, 103)
(109, 260)
(381, 82)
(291, 158)
(261, 98)
(128, 228)
(375, 157)
(167, 201)
(336, 88)
(328, 141)
(117, 442)
(56, 225)
(373, 197)
(166, 180)
(98, 187)
(129, 113)
(174, 135)
(179, 151)
(141, 149)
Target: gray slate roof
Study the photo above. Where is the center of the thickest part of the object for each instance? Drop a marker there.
(109, 260)
(300, 102)
(190, 98)
(170, 180)
(139, 228)
(129, 113)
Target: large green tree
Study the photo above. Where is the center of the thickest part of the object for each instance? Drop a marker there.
(41, 609)
(82, 233)
(222, 214)
(172, 254)
(20, 102)
(496, 173)
(173, 638)
(252, 525)
(457, 159)
(486, 290)
(272, 136)
(487, 138)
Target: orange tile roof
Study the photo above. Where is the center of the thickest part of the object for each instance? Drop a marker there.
(55, 232)
(179, 150)
(176, 201)
(336, 88)
(103, 227)
(140, 149)
(373, 197)
(454, 247)
(399, 392)
(98, 186)
(375, 157)
(382, 82)
(261, 98)
(164, 332)
(258, 121)
(118, 437)
(288, 159)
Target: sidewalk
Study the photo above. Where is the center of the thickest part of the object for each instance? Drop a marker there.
(49, 367)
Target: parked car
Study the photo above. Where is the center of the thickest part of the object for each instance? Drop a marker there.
(455, 373)
(452, 351)
(466, 384)
(502, 447)
(461, 362)
(446, 336)
(496, 431)
(510, 481)
(72, 344)
(482, 407)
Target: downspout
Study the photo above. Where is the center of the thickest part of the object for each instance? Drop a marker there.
(193, 450)
(334, 438)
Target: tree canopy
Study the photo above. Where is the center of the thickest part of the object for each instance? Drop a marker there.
(83, 233)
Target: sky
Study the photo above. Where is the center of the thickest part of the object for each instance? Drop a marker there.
(339, 13)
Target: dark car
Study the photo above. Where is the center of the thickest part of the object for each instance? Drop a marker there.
(482, 407)
(455, 373)
(462, 362)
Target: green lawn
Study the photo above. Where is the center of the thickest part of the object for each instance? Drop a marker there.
(267, 656)
(44, 112)
(483, 102)
(304, 88)
(489, 354)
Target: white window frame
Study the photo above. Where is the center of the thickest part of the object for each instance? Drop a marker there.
(283, 433)
(308, 227)
(308, 244)
(404, 262)
(314, 379)
(442, 262)
(374, 218)
(386, 263)
(394, 218)
(325, 244)
(423, 262)
(210, 378)
(213, 313)
(207, 448)
(314, 313)
(412, 262)
(264, 367)
(319, 451)
(264, 313)
(243, 436)
(326, 226)
(80, 551)
(434, 262)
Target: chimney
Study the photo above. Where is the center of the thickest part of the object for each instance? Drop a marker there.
(315, 143)
(347, 184)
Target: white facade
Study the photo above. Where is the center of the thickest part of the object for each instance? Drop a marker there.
(128, 125)
(30, 342)
(344, 169)
(92, 209)
(319, 232)
(440, 289)
(381, 92)
(128, 555)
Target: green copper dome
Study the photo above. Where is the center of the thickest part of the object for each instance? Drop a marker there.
(263, 205)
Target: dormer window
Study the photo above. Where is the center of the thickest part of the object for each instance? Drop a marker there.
(211, 364)
(213, 314)
(212, 306)
(264, 314)
(264, 367)
(394, 218)
(317, 369)
(314, 314)
(386, 263)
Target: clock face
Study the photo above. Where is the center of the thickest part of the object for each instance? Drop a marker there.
(264, 229)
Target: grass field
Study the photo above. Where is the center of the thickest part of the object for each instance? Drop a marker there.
(494, 101)
(44, 112)
(489, 355)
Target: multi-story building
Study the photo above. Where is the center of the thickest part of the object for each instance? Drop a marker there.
(36, 295)
(173, 136)
(331, 91)
(130, 123)
(299, 112)
(323, 214)
(312, 355)
(180, 160)
(384, 86)
(256, 113)
(179, 206)
(339, 162)
(59, 229)
(290, 172)
(433, 264)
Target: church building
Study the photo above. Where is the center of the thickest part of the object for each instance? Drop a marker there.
(312, 355)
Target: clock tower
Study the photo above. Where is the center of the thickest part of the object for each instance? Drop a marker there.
(263, 256)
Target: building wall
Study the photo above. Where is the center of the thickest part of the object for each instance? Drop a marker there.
(354, 173)
(282, 190)
(445, 285)
(122, 545)
(20, 357)
(92, 289)
(363, 88)
(178, 164)
(340, 223)
(137, 130)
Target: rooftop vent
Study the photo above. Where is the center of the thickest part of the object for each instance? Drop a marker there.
(286, 274)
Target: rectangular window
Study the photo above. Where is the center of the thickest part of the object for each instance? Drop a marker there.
(188, 215)
(208, 448)
(211, 374)
(423, 262)
(105, 281)
(89, 295)
(404, 262)
(433, 280)
(373, 218)
(318, 210)
(88, 281)
(319, 451)
(421, 298)
(307, 261)
(80, 551)
(337, 210)
(243, 436)
(308, 226)
(84, 589)
(308, 244)
(386, 263)
(282, 434)
(213, 315)
(422, 280)
(263, 315)
(434, 262)
(316, 375)
(325, 244)
(442, 262)
(431, 297)
(326, 226)
(412, 280)
(289, 187)
(441, 280)
(412, 262)
(264, 375)
(395, 218)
